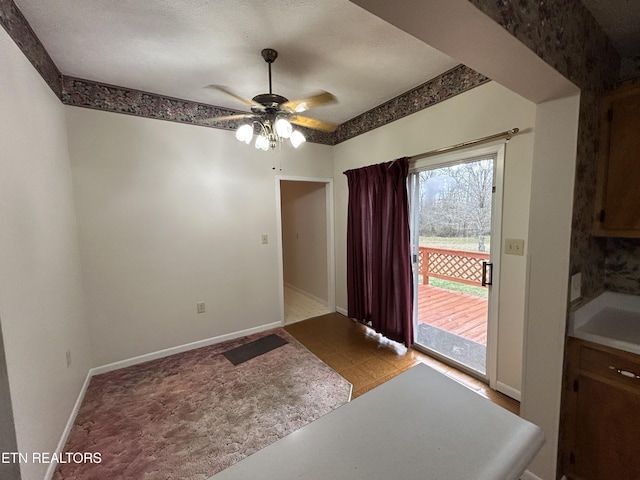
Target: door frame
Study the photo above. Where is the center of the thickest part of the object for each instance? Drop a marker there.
(496, 149)
(331, 277)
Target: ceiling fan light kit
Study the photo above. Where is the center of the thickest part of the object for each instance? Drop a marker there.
(273, 115)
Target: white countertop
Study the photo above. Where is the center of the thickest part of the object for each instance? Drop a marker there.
(611, 319)
(421, 424)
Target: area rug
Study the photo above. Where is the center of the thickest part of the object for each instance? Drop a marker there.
(191, 415)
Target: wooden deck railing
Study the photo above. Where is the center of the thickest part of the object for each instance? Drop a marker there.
(455, 265)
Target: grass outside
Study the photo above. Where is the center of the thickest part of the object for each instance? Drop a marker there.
(457, 243)
(482, 292)
(463, 243)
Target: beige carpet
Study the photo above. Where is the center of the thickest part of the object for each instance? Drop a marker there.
(193, 414)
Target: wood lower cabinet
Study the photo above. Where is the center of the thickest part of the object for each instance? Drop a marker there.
(601, 412)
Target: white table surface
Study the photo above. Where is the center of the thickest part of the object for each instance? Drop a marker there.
(419, 425)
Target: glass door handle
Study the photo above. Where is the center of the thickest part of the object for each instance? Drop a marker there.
(487, 268)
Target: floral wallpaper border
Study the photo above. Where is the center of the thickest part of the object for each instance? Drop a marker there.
(20, 31)
(90, 94)
(457, 80)
(100, 96)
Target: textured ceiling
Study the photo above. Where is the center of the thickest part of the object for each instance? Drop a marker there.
(620, 19)
(176, 47)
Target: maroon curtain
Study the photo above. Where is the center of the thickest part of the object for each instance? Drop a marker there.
(379, 284)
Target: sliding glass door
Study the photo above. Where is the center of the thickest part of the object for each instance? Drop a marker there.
(452, 210)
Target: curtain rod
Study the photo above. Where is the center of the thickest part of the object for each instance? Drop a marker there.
(506, 134)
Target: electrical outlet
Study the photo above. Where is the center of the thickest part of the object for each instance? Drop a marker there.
(200, 307)
(576, 287)
(68, 358)
(265, 239)
(514, 246)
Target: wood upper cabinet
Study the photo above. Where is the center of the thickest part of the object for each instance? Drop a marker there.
(617, 212)
(601, 413)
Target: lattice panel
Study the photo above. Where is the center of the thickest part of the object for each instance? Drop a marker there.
(455, 265)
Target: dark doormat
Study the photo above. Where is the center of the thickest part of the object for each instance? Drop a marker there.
(254, 349)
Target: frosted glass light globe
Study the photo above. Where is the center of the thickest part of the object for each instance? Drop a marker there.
(262, 143)
(245, 133)
(283, 128)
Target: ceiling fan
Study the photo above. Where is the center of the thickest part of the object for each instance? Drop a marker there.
(274, 115)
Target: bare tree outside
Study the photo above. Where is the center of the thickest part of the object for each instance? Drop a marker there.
(455, 202)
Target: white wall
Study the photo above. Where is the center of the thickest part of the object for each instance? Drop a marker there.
(550, 227)
(304, 236)
(170, 215)
(483, 111)
(41, 298)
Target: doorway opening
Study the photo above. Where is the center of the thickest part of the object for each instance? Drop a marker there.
(454, 227)
(306, 248)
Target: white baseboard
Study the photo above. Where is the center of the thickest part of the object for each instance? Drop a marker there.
(181, 348)
(527, 475)
(508, 391)
(307, 294)
(342, 311)
(134, 361)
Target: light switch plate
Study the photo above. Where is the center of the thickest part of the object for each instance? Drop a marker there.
(514, 246)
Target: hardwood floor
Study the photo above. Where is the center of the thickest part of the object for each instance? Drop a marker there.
(367, 359)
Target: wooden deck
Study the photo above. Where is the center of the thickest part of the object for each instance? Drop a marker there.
(455, 312)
